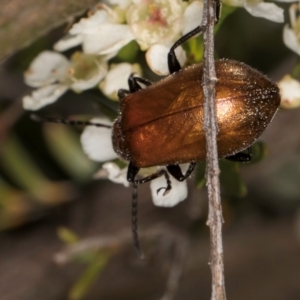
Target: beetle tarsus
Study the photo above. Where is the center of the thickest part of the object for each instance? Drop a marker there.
(176, 172)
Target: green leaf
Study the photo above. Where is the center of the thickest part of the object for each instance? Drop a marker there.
(68, 236)
(89, 276)
(259, 152)
(129, 52)
(24, 171)
(231, 182)
(200, 174)
(64, 144)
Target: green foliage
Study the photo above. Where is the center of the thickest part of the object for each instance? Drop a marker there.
(89, 276)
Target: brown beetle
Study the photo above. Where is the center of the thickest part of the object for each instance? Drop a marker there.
(162, 124)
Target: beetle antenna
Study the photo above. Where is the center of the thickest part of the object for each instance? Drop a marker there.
(37, 118)
(134, 225)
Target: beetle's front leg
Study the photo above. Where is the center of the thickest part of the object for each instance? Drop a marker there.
(134, 81)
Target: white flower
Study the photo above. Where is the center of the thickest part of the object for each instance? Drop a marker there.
(291, 35)
(261, 9)
(192, 16)
(96, 141)
(156, 22)
(114, 173)
(290, 92)
(101, 33)
(122, 4)
(157, 58)
(53, 74)
(97, 144)
(117, 78)
(177, 193)
(43, 96)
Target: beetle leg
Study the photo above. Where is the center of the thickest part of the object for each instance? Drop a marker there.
(134, 86)
(218, 11)
(173, 63)
(122, 93)
(241, 156)
(176, 172)
(133, 83)
(133, 170)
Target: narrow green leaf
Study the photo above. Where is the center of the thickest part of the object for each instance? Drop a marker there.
(67, 235)
(89, 276)
(231, 182)
(65, 146)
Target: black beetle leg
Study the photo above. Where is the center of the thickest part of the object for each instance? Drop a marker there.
(122, 93)
(241, 156)
(134, 81)
(176, 172)
(173, 63)
(218, 11)
(133, 170)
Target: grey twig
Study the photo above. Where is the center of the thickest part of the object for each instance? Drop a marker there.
(176, 242)
(215, 218)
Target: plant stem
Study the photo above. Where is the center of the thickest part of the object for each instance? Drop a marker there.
(215, 218)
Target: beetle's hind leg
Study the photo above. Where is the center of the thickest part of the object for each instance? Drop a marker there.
(241, 156)
(176, 172)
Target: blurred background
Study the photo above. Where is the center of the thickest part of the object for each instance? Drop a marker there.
(67, 236)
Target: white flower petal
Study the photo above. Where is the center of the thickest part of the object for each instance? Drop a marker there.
(290, 92)
(123, 4)
(192, 16)
(116, 174)
(290, 39)
(81, 84)
(97, 142)
(117, 78)
(48, 67)
(157, 58)
(177, 194)
(107, 38)
(157, 22)
(269, 11)
(67, 42)
(43, 96)
(91, 24)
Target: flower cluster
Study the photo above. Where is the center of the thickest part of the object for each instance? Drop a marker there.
(154, 25)
(289, 86)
